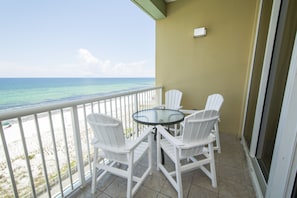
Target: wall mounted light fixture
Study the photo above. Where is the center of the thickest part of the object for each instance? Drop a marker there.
(198, 32)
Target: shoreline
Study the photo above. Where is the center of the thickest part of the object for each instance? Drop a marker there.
(10, 107)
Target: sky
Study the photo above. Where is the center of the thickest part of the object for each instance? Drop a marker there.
(76, 38)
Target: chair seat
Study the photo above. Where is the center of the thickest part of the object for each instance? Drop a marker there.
(139, 151)
(122, 158)
(185, 153)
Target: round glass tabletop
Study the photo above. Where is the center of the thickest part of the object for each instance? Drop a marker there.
(158, 116)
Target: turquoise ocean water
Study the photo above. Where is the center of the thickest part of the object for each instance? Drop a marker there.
(23, 92)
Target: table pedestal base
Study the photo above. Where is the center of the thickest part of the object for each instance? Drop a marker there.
(162, 152)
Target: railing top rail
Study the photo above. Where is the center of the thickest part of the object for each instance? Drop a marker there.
(13, 113)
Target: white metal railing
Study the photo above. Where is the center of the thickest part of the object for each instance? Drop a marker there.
(48, 146)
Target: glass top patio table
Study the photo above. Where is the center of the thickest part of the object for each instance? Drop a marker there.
(158, 116)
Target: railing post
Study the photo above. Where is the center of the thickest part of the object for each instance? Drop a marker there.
(160, 95)
(8, 161)
(136, 109)
(27, 156)
(78, 147)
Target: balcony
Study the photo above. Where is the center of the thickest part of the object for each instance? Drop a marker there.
(45, 151)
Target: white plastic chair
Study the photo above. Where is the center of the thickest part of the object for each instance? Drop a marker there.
(110, 142)
(196, 135)
(173, 99)
(214, 102)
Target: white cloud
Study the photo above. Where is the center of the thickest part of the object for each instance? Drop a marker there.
(88, 66)
(107, 68)
(86, 56)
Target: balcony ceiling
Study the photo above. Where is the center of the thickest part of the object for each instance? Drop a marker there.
(155, 8)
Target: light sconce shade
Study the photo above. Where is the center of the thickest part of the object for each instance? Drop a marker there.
(198, 32)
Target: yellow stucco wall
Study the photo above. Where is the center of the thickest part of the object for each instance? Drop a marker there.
(217, 63)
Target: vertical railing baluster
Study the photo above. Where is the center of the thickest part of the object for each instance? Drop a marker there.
(110, 107)
(105, 110)
(142, 103)
(125, 114)
(116, 107)
(77, 142)
(121, 112)
(66, 147)
(92, 107)
(99, 106)
(128, 115)
(160, 97)
(136, 109)
(26, 156)
(143, 99)
(146, 99)
(42, 155)
(87, 137)
(55, 152)
(152, 93)
(8, 162)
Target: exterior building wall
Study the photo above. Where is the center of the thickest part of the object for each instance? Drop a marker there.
(216, 63)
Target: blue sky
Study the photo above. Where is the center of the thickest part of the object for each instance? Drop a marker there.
(76, 38)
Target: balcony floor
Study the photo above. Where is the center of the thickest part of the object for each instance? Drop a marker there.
(232, 176)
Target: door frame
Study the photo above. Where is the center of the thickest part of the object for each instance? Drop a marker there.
(284, 159)
(261, 93)
(264, 76)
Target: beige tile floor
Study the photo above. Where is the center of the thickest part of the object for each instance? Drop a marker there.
(232, 176)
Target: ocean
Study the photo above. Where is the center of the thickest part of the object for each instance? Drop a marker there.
(23, 92)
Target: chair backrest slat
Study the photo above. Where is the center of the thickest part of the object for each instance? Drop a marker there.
(108, 132)
(198, 126)
(173, 99)
(214, 102)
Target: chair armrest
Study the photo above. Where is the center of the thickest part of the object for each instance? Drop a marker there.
(107, 148)
(160, 107)
(168, 137)
(205, 141)
(133, 144)
(188, 111)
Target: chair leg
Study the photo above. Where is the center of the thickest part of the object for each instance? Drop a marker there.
(150, 154)
(158, 150)
(94, 175)
(218, 144)
(175, 130)
(212, 166)
(130, 175)
(178, 175)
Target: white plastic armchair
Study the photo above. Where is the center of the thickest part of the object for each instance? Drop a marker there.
(173, 99)
(193, 141)
(109, 143)
(214, 102)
